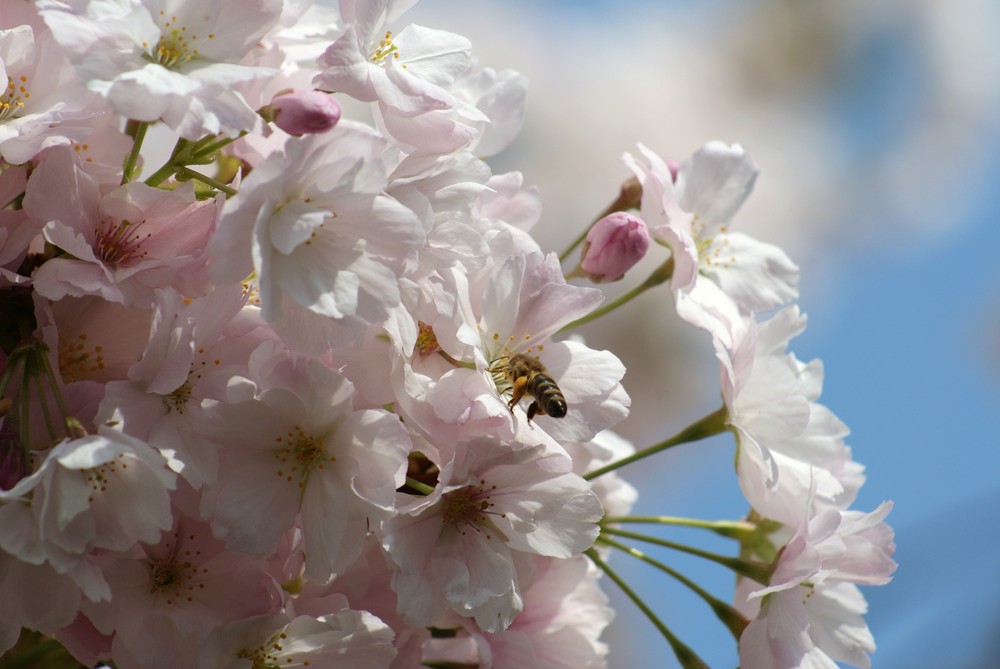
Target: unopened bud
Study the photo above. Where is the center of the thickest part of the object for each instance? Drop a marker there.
(304, 112)
(614, 244)
(674, 168)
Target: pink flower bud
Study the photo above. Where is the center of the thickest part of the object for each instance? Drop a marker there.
(614, 244)
(305, 112)
(674, 168)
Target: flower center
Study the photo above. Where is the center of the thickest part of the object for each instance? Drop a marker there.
(469, 507)
(13, 99)
(175, 577)
(116, 243)
(267, 655)
(178, 399)
(99, 477)
(712, 252)
(299, 455)
(79, 359)
(176, 46)
(427, 342)
(383, 50)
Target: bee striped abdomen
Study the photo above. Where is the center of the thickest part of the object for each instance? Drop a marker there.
(527, 376)
(549, 400)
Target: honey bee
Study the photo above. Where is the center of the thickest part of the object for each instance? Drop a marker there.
(526, 375)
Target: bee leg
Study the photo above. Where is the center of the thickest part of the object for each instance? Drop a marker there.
(520, 383)
(533, 410)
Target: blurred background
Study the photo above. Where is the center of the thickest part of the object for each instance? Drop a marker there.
(876, 127)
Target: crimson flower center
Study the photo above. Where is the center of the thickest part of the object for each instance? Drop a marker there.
(118, 242)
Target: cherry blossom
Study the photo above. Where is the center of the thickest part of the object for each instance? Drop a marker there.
(103, 491)
(176, 60)
(342, 640)
(124, 244)
(789, 443)
(327, 247)
(717, 275)
(459, 546)
(810, 614)
(298, 454)
(405, 72)
(41, 92)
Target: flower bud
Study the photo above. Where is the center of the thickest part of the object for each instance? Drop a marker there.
(304, 112)
(674, 168)
(614, 244)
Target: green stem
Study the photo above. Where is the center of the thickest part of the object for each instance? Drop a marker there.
(579, 240)
(758, 571)
(218, 185)
(128, 172)
(710, 425)
(419, 486)
(161, 175)
(26, 658)
(56, 393)
(46, 414)
(170, 168)
(686, 656)
(24, 427)
(732, 529)
(735, 621)
(209, 149)
(659, 275)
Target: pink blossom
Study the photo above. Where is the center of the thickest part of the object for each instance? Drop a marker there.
(168, 596)
(305, 112)
(718, 275)
(299, 455)
(194, 349)
(459, 547)
(405, 72)
(614, 244)
(811, 613)
(103, 491)
(342, 640)
(564, 614)
(178, 65)
(793, 461)
(41, 96)
(327, 246)
(123, 244)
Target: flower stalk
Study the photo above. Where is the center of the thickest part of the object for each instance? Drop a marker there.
(710, 425)
(687, 657)
(659, 275)
(757, 571)
(734, 621)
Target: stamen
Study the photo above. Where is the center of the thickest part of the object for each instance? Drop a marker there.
(302, 454)
(116, 243)
(14, 97)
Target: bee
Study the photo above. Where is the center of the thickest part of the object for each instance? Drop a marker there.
(526, 375)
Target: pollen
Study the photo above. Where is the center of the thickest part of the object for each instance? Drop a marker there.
(427, 342)
(268, 654)
(175, 45)
(79, 359)
(301, 455)
(174, 578)
(384, 50)
(469, 508)
(14, 97)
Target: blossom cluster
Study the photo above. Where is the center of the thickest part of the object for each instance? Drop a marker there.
(299, 394)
